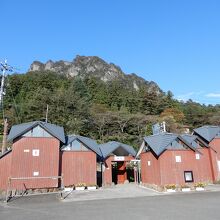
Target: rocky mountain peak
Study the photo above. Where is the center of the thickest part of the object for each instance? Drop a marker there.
(93, 66)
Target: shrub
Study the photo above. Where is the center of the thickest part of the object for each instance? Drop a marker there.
(80, 185)
(185, 186)
(200, 185)
(170, 186)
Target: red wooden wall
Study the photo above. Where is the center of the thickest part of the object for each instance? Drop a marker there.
(78, 167)
(24, 164)
(150, 174)
(5, 169)
(173, 172)
(107, 175)
(215, 157)
(166, 170)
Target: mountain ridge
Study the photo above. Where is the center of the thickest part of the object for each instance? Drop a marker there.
(94, 66)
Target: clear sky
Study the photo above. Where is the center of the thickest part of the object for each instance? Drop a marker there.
(175, 43)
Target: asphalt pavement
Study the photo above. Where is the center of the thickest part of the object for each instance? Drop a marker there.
(198, 205)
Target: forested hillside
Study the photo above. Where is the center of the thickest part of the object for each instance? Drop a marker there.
(103, 110)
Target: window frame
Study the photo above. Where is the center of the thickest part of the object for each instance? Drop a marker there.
(188, 181)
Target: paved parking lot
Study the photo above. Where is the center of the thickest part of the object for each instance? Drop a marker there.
(118, 191)
(201, 206)
(196, 205)
(122, 191)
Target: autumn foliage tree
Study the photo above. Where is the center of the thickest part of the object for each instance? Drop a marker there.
(177, 115)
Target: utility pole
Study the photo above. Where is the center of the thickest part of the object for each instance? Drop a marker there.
(4, 67)
(47, 113)
(4, 140)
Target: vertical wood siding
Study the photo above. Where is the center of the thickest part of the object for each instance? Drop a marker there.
(78, 167)
(150, 174)
(24, 164)
(5, 169)
(107, 175)
(173, 172)
(166, 170)
(121, 174)
(215, 157)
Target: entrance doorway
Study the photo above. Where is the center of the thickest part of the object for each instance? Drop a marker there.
(120, 173)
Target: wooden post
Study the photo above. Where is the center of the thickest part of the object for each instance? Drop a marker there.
(8, 190)
(61, 187)
(4, 140)
(139, 172)
(135, 174)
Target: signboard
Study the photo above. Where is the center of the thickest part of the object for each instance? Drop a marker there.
(119, 158)
(35, 152)
(178, 159)
(35, 173)
(197, 156)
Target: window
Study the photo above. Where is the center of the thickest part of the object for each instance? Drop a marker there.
(35, 152)
(178, 159)
(148, 163)
(188, 175)
(197, 156)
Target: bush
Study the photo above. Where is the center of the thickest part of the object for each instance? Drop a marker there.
(170, 186)
(80, 185)
(185, 186)
(200, 185)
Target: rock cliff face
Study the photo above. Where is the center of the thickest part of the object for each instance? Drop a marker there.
(93, 66)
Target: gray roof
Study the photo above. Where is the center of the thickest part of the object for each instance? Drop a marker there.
(90, 143)
(207, 132)
(163, 141)
(5, 153)
(111, 146)
(190, 139)
(20, 129)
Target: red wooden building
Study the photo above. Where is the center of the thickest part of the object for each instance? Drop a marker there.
(35, 153)
(174, 159)
(79, 159)
(116, 157)
(210, 137)
(41, 153)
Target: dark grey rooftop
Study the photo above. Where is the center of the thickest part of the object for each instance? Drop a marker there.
(163, 141)
(20, 129)
(190, 139)
(5, 153)
(208, 132)
(90, 143)
(111, 146)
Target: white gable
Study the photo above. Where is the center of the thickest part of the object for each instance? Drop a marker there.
(75, 146)
(37, 132)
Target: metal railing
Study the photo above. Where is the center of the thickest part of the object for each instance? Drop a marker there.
(10, 179)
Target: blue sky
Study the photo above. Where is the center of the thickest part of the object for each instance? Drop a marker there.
(175, 43)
